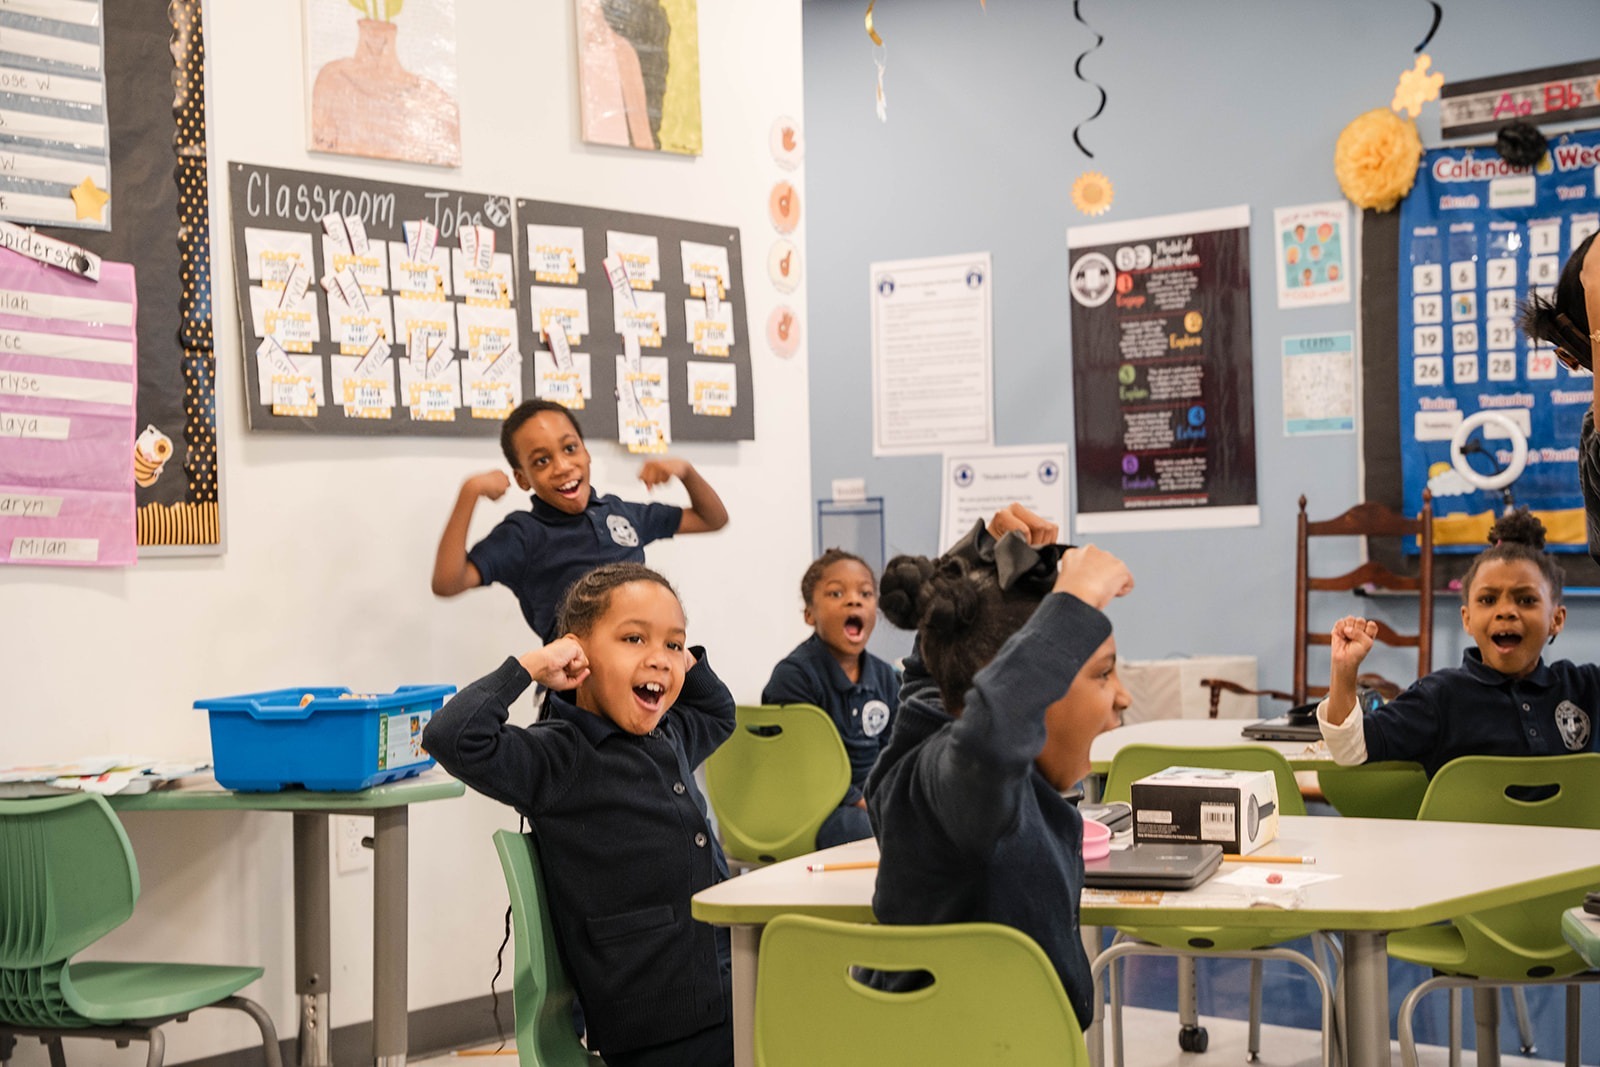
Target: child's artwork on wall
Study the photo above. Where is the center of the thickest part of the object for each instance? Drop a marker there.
(639, 73)
(381, 76)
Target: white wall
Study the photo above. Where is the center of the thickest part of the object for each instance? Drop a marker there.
(331, 540)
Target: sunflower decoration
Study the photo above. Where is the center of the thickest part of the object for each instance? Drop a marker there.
(1376, 159)
(1092, 193)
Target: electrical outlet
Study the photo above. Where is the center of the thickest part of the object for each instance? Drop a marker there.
(348, 830)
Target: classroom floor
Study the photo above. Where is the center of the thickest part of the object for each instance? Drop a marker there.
(1152, 1041)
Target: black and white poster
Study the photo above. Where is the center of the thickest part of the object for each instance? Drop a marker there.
(1161, 372)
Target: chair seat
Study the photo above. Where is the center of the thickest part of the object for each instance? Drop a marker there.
(1219, 938)
(109, 993)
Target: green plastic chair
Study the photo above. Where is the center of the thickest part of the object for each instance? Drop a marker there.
(1138, 761)
(68, 878)
(995, 997)
(1389, 790)
(540, 990)
(1511, 946)
(774, 782)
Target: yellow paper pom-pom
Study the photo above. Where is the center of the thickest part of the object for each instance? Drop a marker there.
(1376, 158)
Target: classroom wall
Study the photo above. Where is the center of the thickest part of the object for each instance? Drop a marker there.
(1209, 104)
(330, 541)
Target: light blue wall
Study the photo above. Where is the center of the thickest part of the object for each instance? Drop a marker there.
(1210, 104)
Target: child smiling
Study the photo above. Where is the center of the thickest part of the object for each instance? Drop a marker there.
(1503, 700)
(833, 670)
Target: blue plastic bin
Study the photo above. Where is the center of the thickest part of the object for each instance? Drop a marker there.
(335, 742)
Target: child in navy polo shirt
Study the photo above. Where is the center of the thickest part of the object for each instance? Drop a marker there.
(538, 554)
(833, 670)
(1014, 677)
(607, 782)
(1503, 700)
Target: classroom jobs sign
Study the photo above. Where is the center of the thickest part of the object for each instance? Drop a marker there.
(1161, 372)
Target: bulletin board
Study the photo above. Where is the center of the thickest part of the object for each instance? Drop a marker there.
(160, 224)
(373, 324)
(667, 260)
(1443, 279)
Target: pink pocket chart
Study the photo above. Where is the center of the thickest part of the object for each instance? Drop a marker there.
(67, 381)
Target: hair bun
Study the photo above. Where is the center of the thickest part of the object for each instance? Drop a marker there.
(953, 601)
(1518, 527)
(903, 590)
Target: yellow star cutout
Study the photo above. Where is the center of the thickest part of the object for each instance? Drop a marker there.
(1416, 87)
(90, 199)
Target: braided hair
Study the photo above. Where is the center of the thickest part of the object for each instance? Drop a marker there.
(1518, 535)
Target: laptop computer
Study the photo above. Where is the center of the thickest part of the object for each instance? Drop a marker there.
(1153, 866)
(1290, 727)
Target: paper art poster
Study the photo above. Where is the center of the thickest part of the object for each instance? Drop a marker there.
(639, 73)
(382, 79)
(1312, 244)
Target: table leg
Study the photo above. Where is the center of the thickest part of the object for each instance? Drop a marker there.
(1366, 996)
(313, 971)
(746, 953)
(390, 913)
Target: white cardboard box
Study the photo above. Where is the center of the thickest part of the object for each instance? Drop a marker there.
(1194, 805)
(1171, 689)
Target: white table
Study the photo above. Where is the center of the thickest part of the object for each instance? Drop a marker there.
(1200, 733)
(1394, 875)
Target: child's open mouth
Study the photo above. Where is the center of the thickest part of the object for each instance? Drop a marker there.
(854, 627)
(1506, 640)
(649, 695)
(569, 489)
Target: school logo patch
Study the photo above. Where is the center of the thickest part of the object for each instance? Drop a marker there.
(1573, 722)
(874, 717)
(622, 531)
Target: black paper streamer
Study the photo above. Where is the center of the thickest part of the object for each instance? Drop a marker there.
(1438, 14)
(1077, 68)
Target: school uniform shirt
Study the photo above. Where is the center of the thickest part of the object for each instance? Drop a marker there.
(1589, 478)
(1474, 710)
(968, 829)
(539, 554)
(862, 711)
(624, 841)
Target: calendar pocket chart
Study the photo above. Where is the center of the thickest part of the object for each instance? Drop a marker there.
(1478, 237)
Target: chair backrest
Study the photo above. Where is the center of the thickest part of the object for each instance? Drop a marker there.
(540, 990)
(1521, 940)
(775, 780)
(1136, 761)
(67, 878)
(994, 997)
(1364, 520)
(1385, 790)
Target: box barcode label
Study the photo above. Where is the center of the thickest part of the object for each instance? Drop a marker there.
(1217, 822)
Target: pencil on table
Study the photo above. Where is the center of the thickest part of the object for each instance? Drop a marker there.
(861, 865)
(1268, 859)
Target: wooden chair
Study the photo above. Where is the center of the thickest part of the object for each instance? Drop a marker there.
(1364, 520)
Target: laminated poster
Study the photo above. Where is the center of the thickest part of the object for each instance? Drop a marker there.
(1161, 372)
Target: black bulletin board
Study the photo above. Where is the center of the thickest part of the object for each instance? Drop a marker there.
(599, 417)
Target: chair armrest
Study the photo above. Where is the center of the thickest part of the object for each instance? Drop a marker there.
(1217, 685)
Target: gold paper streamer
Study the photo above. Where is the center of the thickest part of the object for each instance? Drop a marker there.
(870, 31)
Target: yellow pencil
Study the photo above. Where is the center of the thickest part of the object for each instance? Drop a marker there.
(1269, 859)
(862, 865)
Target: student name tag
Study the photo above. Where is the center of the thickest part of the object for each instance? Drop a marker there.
(560, 349)
(357, 231)
(503, 366)
(567, 318)
(484, 259)
(373, 358)
(333, 226)
(617, 275)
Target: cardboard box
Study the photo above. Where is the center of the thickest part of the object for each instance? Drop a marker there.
(1171, 689)
(1192, 805)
